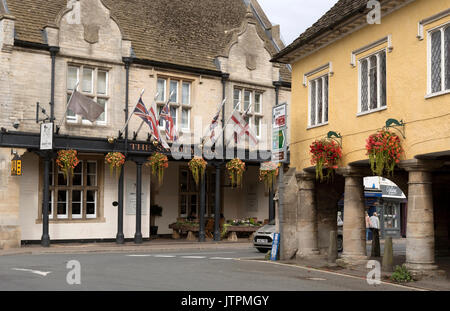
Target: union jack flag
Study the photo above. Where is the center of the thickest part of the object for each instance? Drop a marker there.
(149, 118)
(171, 134)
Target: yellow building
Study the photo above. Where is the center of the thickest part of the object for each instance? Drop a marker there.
(361, 64)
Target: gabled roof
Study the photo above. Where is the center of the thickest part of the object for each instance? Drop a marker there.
(184, 32)
(343, 17)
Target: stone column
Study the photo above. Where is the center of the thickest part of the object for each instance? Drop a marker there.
(354, 229)
(420, 228)
(307, 216)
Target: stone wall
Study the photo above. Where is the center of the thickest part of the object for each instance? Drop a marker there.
(10, 233)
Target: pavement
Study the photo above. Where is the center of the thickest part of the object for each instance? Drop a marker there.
(361, 271)
(169, 245)
(127, 247)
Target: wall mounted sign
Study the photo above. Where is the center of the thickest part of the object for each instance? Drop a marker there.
(46, 136)
(279, 130)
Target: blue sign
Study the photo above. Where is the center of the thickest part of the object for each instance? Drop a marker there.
(275, 246)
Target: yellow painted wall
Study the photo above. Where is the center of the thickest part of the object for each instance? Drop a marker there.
(428, 120)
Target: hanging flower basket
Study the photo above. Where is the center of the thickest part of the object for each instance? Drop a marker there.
(67, 160)
(384, 150)
(197, 166)
(325, 155)
(268, 172)
(236, 169)
(115, 161)
(158, 162)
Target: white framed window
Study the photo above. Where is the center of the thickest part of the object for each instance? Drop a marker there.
(439, 60)
(258, 103)
(258, 124)
(174, 89)
(185, 119)
(75, 198)
(161, 89)
(237, 95)
(243, 99)
(93, 82)
(318, 101)
(186, 93)
(180, 101)
(247, 100)
(372, 82)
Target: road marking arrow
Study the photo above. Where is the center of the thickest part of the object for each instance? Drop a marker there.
(41, 273)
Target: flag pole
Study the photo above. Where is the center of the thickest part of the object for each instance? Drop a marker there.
(129, 118)
(67, 108)
(142, 123)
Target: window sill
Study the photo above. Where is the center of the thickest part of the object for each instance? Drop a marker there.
(317, 125)
(359, 114)
(73, 221)
(428, 96)
(85, 124)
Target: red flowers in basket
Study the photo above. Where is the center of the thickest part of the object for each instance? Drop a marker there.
(325, 155)
(197, 166)
(384, 150)
(236, 169)
(115, 160)
(268, 173)
(158, 162)
(67, 160)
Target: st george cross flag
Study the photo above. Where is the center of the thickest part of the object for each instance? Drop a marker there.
(242, 128)
(84, 106)
(170, 129)
(212, 127)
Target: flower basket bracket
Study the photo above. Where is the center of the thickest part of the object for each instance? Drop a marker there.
(393, 123)
(337, 137)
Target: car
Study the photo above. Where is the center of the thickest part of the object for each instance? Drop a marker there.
(264, 237)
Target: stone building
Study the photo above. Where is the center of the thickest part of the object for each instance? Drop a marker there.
(353, 75)
(204, 51)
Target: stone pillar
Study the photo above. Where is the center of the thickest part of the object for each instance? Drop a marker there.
(420, 228)
(307, 216)
(354, 229)
(288, 237)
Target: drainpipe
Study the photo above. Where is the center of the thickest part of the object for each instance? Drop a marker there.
(120, 238)
(53, 51)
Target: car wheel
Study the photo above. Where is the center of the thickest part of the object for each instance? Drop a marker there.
(262, 250)
(340, 244)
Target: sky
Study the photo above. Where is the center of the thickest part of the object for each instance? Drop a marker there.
(294, 16)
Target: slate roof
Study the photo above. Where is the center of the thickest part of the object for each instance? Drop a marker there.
(183, 32)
